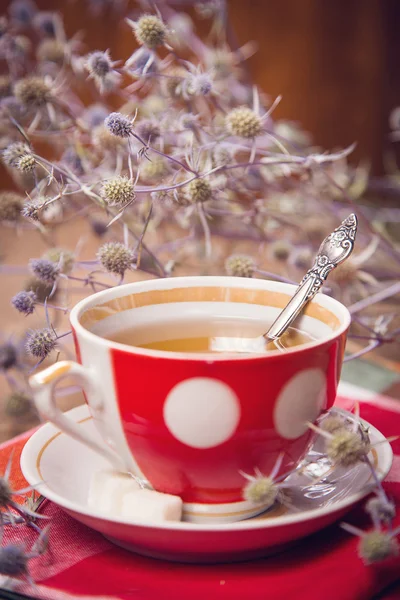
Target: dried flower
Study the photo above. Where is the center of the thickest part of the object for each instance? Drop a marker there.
(198, 84)
(18, 405)
(332, 424)
(13, 153)
(41, 342)
(243, 122)
(11, 205)
(376, 546)
(13, 561)
(24, 302)
(118, 191)
(240, 265)
(381, 509)
(281, 249)
(99, 227)
(8, 356)
(115, 257)
(119, 125)
(153, 169)
(150, 31)
(198, 190)
(99, 64)
(51, 50)
(27, 163)
(148, 129)
(262, 490)
(45, 22)
(32, 209)
(32, 92)
(63, 258)
(346, 448)
(22, 12)
(44, 269)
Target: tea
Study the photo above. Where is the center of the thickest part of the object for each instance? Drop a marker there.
(211, 335)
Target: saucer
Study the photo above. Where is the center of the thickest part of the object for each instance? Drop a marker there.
(60, 468)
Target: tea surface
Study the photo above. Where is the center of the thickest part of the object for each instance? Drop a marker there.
(211, 336)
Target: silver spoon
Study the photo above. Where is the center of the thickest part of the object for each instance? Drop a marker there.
(335, 248)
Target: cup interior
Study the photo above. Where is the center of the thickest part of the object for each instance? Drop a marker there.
(157, 306)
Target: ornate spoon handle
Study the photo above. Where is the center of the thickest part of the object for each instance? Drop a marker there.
(335, 248)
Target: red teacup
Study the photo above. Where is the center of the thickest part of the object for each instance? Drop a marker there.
(192, 424)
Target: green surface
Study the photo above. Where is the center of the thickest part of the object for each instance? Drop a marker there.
(368, 375)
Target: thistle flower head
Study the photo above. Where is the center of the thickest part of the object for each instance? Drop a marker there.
(198, 190)
(11, 205)
(13, 153)
(24, 302)
(199, 84)
(8, 356)
(332, 424)
(99, 227)
(376, 546)
(153, 169)
(221, 155)
(94, 115)
(262, 490)
(41, 342)
(150, 31)
(18, 405)
(243, 122)
(13, 561)
(32, 209)
(281, 250)
(239, 265)
(32, 92)
(148, 129)
(45, 23)
(20, 46)
(115, 257)
(118, 191)
(63, 258)
(119, 125)
(380, 509)
(27, 163)
(22, 12)
(99, 64)
(44, 269)
(51, 50)
(346, 447)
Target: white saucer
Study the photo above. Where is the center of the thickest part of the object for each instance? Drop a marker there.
(60, 468)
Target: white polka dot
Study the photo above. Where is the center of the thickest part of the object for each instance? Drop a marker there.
(301, 400)
(202, 412)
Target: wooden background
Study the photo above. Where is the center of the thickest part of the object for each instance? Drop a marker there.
(336, 62)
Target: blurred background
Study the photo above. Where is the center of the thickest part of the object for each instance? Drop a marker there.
(336, 65)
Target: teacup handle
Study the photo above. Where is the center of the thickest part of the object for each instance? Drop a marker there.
(43, 384)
